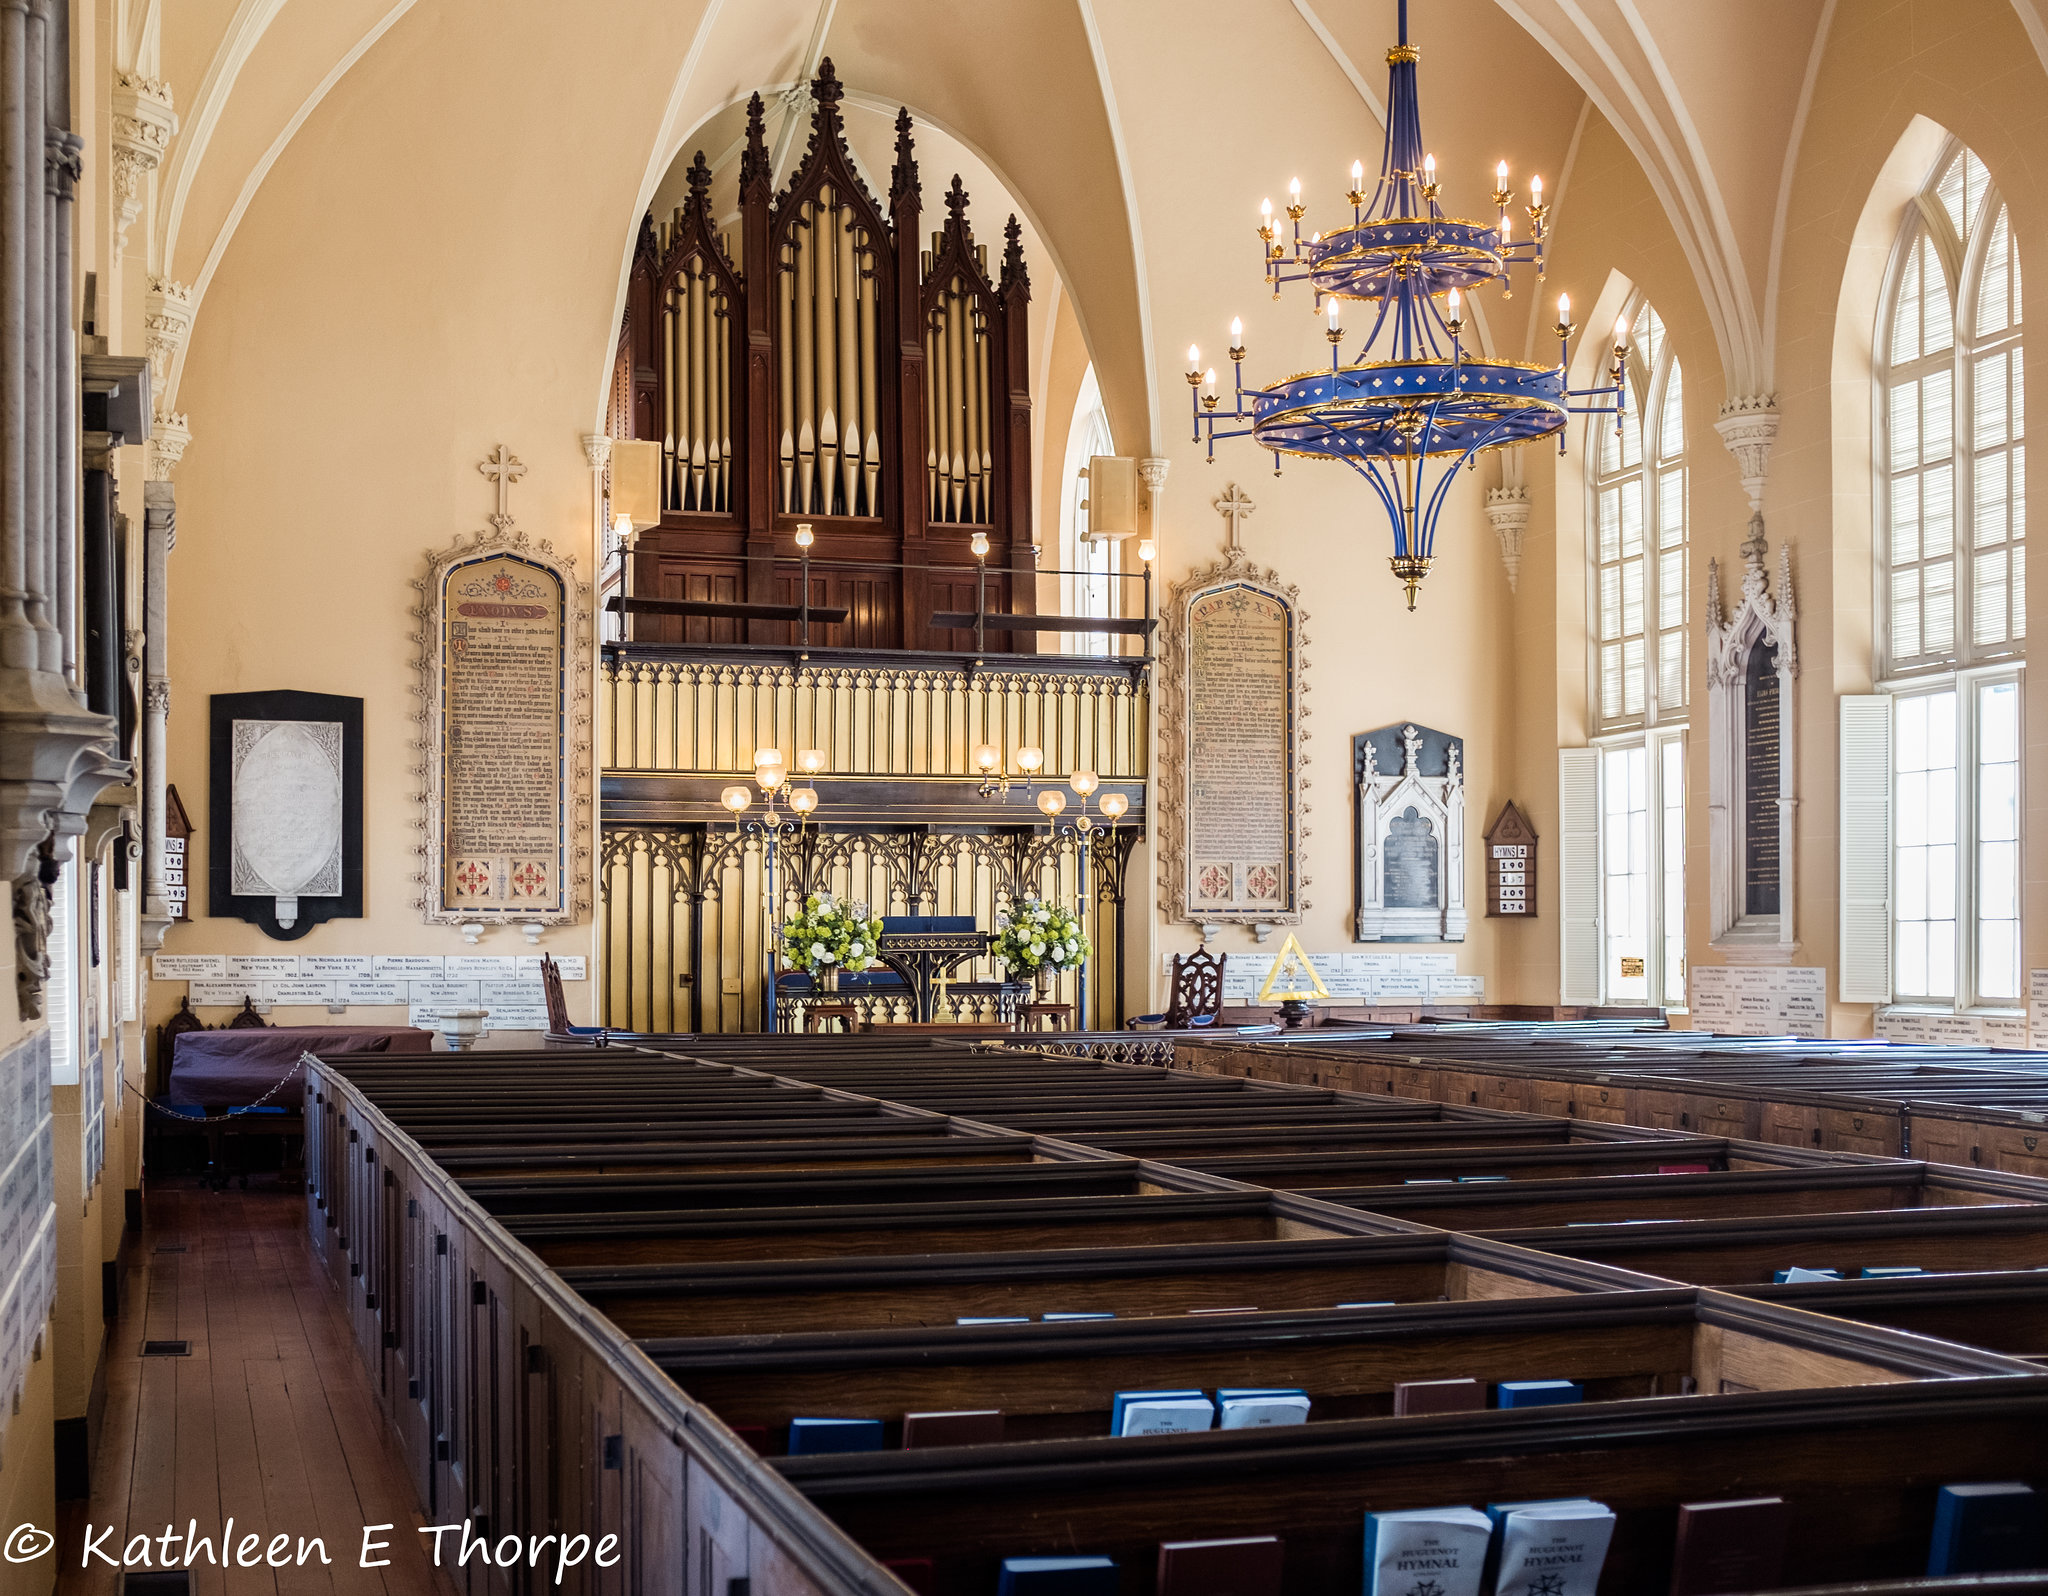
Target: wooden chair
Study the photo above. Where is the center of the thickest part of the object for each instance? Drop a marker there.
(248, 1019)
(1197, 989)
(551, 989)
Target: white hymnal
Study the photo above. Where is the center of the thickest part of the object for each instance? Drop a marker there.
(1257, 1407)
(1554, 1551)
(1439, 1549)
(1162, 1412)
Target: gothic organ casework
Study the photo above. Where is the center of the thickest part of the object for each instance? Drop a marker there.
(285, 832)
(505, 692)
(1511, 866)
(826, 362)
(1411, 834)
(1752, 664)
(1233, 644)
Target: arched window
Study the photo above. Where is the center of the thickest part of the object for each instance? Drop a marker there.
(1089, 588)
(1638, 610)
(1952, 589)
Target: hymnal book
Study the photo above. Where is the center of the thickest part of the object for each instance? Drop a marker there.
(1000, 1318)
(1160, 1412)
(1473, 1180)
(1496, 1511)
(1727, 1547)
(1058, 1576)
(1192, 1311)
(809, 1436)
(917, 1573)
(1434, 1180)
(1413, 1397)
(1438, 1549)
(1795, 1274)
(1245, 1567)
(1553, 1551)
(1365, 1304)
(1539, 1393)
(1889, 1271)
(1683, 1169)
(1985, 1529)
(1256, 1407)
(755, 1435)
(967, 1427)
(1066, 1318)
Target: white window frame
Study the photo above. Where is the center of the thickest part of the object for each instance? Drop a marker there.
(1094, 594)
(1966, 685)
(1967, 667)
(1649, 386)
(1656, 931)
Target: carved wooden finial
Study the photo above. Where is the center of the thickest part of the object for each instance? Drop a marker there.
(956, 202)
(700, 178)
(826, 88)
(754, 160)
(903, 179)
(1013, 255)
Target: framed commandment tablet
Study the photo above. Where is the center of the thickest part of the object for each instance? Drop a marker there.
(285, 810)
(505, 710)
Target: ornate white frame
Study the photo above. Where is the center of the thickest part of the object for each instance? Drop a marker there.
(1757, 617)
(1235, 568)
(1382, 795)
(432, 588)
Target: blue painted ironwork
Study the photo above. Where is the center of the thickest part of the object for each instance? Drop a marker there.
(1413, 393)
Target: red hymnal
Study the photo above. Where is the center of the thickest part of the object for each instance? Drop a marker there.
(755, 1435)
(1438, 1396)
(1249, 1567)
(916, 1572)
(1729, 1546)
(974, 1427)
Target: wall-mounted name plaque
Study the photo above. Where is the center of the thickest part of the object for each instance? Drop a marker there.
(1511, 865)
(1232, 642)
(505, 685)
(1410, 783)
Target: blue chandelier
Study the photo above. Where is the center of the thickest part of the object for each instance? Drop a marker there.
(1414, 397)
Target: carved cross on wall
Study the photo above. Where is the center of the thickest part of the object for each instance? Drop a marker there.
(504, 468)
(1233, 504)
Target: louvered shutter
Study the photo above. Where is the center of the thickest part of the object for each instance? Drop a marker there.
(1866, 901)
(1578, 858)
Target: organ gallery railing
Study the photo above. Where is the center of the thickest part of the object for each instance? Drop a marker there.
(828, 369)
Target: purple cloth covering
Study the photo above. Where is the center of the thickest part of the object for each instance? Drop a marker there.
(225, 1069)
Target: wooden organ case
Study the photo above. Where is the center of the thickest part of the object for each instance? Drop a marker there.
(838, 373)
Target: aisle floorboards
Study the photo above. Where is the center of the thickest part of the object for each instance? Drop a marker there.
(270, 1420)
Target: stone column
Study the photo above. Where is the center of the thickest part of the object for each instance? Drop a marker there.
(597, 449)
(159, 537)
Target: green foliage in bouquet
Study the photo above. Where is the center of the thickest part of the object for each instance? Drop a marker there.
(1040, 936)
(829, 935)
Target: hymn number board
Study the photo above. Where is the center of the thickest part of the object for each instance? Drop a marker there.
(1511, 865)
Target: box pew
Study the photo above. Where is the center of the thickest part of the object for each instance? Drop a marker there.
(886, 1229)
(1055, 1381)
(1134, 1282)
(1746, 1252)
(1859, 1468)
(2005, 1312)
(1423, 1130)
(603, 1155)
(1858, 1187)
(1571, 1161)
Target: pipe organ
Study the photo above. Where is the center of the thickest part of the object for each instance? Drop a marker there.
(829, 362)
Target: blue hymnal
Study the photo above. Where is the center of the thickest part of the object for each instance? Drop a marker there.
(810, 1436)
(1468, 1180)
(1440, 1549)
(1985, 1529)
(1500, 1510)
(1890, 1271)
(1064, 1318)
(1008, 1318)
(1538, 1393)
(1058, 1576)
(1365, 1305)
(1160, 1412)
(1796, 1274)
(1555, 1549)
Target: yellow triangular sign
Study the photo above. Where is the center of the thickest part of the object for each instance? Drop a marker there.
(1294, 964)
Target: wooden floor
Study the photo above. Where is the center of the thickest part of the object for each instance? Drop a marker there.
(270, 1420)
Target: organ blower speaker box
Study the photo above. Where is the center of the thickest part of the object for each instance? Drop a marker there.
(636, 481)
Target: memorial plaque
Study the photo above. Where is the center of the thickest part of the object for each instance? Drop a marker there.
(1760, 776)
(1412, 862)
(504, 680)
(1233, 646)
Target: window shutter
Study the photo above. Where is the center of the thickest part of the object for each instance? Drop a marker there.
(1866, 975)
(1578, 857)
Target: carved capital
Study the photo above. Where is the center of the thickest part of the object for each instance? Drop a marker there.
(1153, 469)
(597, 449)
(143, 122)
(1507, 509)
(166, 324)
(1748, 428)
(167, 441)
(157, 696)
